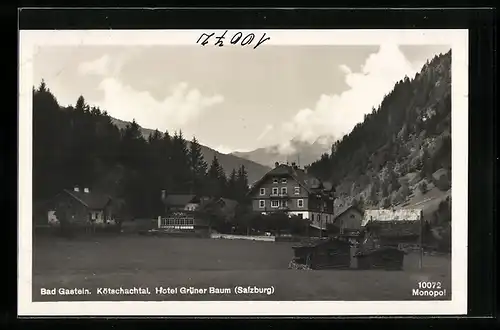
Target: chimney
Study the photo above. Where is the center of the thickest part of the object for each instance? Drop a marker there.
(76, 189)
(86, 190)
(276, 164)
(163, 194)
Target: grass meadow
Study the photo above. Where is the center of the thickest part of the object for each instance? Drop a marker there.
(150, 262)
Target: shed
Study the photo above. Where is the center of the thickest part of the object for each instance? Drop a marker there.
(388, 258)
(323, 253)
(394, 229)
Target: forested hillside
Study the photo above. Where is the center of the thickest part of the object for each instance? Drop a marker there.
(255, 169)
(80, 145)
(401, 149)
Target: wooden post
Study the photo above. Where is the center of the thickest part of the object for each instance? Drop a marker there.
(320, 225)
(159, 221)
(420, 264)
(321, 216)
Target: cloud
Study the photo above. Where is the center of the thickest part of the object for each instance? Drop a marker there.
(100, 66)
(107, 65)
(224, 149)
(337, 114)
(180, 107)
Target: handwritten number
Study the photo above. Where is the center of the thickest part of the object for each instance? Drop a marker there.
(207, 36)
(219, 42)
(261, 41)
(248, 39)
(234, 40)
(251, 35)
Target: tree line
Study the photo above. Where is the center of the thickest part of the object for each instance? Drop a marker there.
(80, 146)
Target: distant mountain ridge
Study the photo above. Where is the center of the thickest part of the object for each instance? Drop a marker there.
(300, 152)
(254, 169)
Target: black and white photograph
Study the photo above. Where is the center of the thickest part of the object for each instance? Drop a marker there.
(233, 167)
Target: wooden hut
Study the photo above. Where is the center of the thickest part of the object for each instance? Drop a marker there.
(322, 254)
(394, 229)
(388, 258)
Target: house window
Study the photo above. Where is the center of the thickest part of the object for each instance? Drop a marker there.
(93, 215)
(284, 203)
(262, 191)
(352, 216)
(283, 181)
(300, 203)
(283, 190)
(296, 190)
(275, 181)
(275, 204)
(275, 191)
(262, 204)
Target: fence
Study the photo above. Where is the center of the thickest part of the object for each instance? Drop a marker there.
(251, 238)
(176, 222)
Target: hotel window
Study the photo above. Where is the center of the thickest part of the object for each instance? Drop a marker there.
(262, 191)
(300, 203)
(283, 181)
(262, 204)
(283, 190)
(275, 204)
(275, 181)
(296, 190)
(275, 191)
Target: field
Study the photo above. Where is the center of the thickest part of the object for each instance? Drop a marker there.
(149, 262)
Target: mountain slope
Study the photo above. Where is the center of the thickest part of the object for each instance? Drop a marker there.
(402, 149)
(228, 161)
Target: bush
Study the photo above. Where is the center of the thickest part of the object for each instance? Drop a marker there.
(422, 187)
(397, 198)
(404, 191)
(443, 183)
(385, 203)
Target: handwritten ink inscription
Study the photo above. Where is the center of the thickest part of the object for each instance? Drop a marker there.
(237, 38)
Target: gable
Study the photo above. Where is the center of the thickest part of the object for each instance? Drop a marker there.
(91, 200)
(285, 171)
(347, 209)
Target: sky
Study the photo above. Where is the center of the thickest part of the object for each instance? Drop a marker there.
(232, 99)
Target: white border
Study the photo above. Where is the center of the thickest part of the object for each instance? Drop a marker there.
(458, 41)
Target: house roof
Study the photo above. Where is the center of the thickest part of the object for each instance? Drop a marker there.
(310, 183)
(391, 216)
(226, 206)
(179, 199)
(345, 209)
(92, 200)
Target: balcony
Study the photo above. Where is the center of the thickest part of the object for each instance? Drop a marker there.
(280, 195)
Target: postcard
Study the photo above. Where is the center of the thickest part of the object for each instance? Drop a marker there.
(243, 172)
